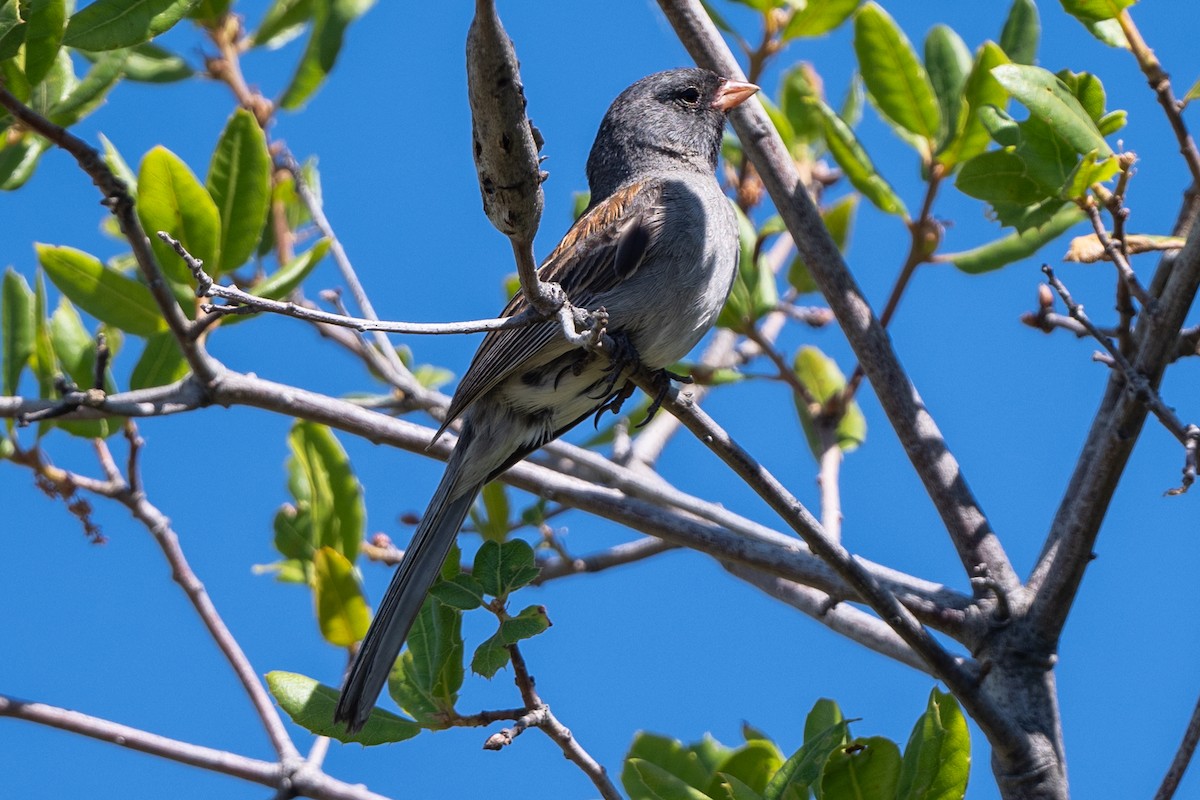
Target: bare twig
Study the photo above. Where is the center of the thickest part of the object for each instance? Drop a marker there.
(296, 775)
(862, 627)
(1056, 577)
(349, 275)
(207, 287)
(1160, 82)
(1183, 757)
(1138, 383)
(539, 716)
(619, 555)
(1117, 256)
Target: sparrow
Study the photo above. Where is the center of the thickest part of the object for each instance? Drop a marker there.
(657, 248)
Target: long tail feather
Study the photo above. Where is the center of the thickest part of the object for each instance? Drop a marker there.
(405, 595)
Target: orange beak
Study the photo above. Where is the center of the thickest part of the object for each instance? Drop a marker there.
(732, 94)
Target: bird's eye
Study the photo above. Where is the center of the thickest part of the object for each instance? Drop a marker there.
(690, 96)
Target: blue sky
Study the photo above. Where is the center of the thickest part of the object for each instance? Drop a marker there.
(674, 645)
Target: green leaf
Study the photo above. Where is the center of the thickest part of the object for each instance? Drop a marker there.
(492, 523)
(239, 182)
(753, 293)
(117, 164)
(75, 350)
(490, 657)
(462, 592)
(310, 705)
(820, 375)
(982, 92)
(209, 12)
(1193, 92)
(161, 363)
(1086, 10)
(1090, 170)
(284, 21)
(730, 788)
(818, 17)
(693, 766)
(171, 199)
(798, 96)
(149, 63)
(1051, 101)
(803, 769)
(331, 18)
(1016, 246)
(44, 25)
(865, 769)
(753, 763)
(895, 79)
(948, 62)
(12, 29)
(838, 218)
(111, 24)
(328, 488)
(342, 612)
(655, 783)
(294, 537)
(1108, 31)
(1000, 177)
(824, 714)
(426, 678)
(502, 568)
(856, 165)
(1022, 30)
(16, 329)
(45, 365)
(937, 758)
(18, 160)
(529, 623)
(282, 282)
(90, 92)
(100, 291)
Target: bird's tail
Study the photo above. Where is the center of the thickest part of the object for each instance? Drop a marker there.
(405, 595)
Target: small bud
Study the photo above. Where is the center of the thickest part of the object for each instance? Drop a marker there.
(1045, 297)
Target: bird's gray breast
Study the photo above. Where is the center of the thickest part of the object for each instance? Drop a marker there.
(674, 297)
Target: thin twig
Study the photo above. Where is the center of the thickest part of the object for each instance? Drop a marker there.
(1127, 275)
(864, 628)
(1183, 757)
(540, 716)
(207, 287)
(1138, 383)
(346, 268)
(1160, 82)
(618, 555)
(301, 780)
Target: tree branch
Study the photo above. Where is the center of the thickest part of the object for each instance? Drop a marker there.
(297, 777)
(1118, 422)
(937, 468)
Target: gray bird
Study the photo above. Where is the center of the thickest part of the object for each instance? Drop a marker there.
(657, 248)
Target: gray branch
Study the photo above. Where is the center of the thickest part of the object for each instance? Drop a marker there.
(937, 468)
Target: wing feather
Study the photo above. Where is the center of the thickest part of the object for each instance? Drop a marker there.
(605, 246)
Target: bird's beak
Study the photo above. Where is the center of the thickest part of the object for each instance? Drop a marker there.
(732, 94)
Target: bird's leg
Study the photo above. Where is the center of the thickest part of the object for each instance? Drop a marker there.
(662, 385)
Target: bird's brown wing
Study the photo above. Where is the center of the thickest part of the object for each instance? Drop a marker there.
(603, 248)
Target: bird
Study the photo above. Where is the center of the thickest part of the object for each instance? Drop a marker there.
(657, 249)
